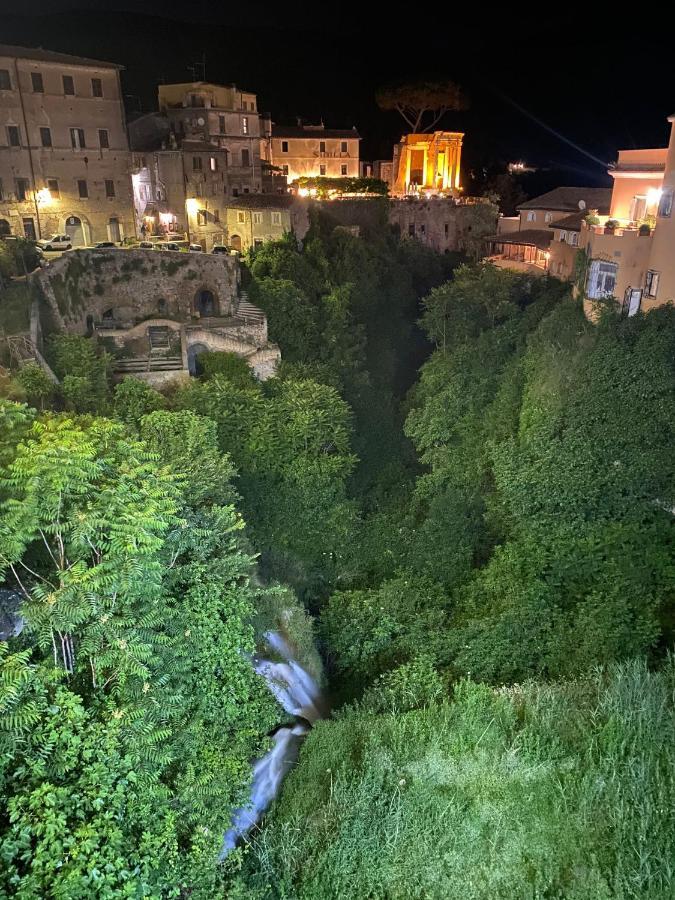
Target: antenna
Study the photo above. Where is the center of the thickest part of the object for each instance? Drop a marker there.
(582, 204)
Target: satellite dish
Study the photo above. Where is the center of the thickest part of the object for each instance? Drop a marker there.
(200, 121)
(582, 204)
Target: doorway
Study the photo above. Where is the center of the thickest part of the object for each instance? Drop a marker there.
(114, 230)
(205, 303)
(29, 229)
(75, 230)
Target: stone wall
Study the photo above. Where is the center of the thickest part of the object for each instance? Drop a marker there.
(128, 286)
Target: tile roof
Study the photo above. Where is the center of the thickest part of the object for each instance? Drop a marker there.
(302, 131)
(40, 55)
(570, 223)
(531, 237)
(566, 199)
(261, 201)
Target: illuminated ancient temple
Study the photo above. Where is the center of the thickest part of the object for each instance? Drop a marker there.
(428, 162)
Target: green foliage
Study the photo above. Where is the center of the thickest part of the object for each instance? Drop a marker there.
(343, 185)
(229, 365)
(85, 373)
(38, 387)
(535, 791)
(134, 399)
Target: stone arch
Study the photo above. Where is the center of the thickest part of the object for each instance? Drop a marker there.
(78, 229)
(204, 302)
(193, 352)
(235, 242)
(5, 228)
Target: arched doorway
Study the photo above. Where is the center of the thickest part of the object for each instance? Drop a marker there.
(76, 228)
(114, 230)
(5, 228)
(193, 352)
(235, 242)
(205, 303)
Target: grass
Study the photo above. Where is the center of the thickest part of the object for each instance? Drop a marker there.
(539, 791)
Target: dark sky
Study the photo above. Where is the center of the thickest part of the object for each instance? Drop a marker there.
(560, 88)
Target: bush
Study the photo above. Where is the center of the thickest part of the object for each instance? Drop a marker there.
(231, 366)
(134, 399)
(37, 385)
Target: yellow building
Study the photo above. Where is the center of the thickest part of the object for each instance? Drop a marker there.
(64, 153)
(630, 251)
(428, 163)
(314, 151)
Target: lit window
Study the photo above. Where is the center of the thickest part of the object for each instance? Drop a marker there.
(531, 216)
(5, 80)
(13, 136)
(201, 217)
(53, 186)
(601, 279)
(666, 204)
(213, 162)
(103, 139)
(651, 283)
(37, 83)
(563, 236)
(244, 124)
(45, 137)
(574, 238)
(82, 189)
(547, 217)
(96, 87)
(77, 140)
(68, 85)
(109, 189)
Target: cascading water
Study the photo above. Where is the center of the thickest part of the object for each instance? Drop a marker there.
(299, 695)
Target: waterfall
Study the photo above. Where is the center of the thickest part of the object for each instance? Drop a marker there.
(298, 693)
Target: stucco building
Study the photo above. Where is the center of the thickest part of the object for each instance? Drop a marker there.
(428, 163)
(253, 219)
(630, 252)
(314, 151)
(206, 145)
(64, 152)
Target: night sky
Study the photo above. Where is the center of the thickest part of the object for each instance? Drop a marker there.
(540, 79)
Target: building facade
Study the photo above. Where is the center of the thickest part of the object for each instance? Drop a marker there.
(207, 145)
(313, 151)
(428, 163)
(64, 152)
(629, 252)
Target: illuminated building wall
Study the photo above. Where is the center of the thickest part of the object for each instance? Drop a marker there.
(64, 153)
(428, 162)
(313, 151)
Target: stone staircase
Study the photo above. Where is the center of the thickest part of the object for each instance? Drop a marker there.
(248, 312)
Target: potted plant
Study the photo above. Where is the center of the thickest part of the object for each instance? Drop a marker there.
(645, 229)
(610, 226)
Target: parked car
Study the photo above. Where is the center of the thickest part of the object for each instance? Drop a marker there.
(220, 248)
(196, 248)
(56, 242)
(146, 245)
(105, 245)
(160, 245)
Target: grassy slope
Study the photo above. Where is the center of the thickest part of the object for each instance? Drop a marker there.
(561, 791)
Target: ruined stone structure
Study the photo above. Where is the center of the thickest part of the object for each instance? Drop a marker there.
(427, 163)
(156, 311)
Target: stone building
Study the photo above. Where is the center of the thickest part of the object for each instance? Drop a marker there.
(207, 144)
(427, 163)
(314, 151)
(253, 219)
(64, 152)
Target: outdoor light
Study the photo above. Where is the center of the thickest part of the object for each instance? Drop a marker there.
(44, 196)
(166, 218)
(653, 196)
(191, 205)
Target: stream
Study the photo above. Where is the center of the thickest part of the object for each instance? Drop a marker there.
(298, 693)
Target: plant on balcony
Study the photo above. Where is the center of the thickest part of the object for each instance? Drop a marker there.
(645, 229)
(592, 220)
(611, 225)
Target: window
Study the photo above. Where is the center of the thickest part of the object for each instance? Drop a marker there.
(13, 136)
(257, 218)
(213, 163)
(221, 124)
(244, 124)
(235, 192)
(666, 204)
(21, 188)
(574, 239)
(53, 186)
(601, 279)
(36, 81)
(77, 140)
(322, 170)
(343, 170)
(547, 217)
(651, 283)
(446, 229)
(96, 87)
(82, 189)
(276, 218)
(563, 236)
(257, 243)
(284, 146)
(201, 217)
(5, 80)
(68, 85)
(245, 158)
(45, 137)
(343, 147)
(241, 217)
(531, 216)
(411, 229)
(216, 215)
(246, 190)
(109, 188)
(196, 163)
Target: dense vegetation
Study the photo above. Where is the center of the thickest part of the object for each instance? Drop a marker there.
(478, 514)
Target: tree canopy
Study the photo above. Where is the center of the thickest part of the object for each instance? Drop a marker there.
(420, 100)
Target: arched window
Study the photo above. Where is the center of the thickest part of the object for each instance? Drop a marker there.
(5, 228)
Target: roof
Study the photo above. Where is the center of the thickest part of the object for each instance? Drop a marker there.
(261, 201)
(40, 55)
(570, 223)
(304, 131)
(532, 237)
(566, 199)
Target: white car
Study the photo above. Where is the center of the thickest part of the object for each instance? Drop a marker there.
(56, 242)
